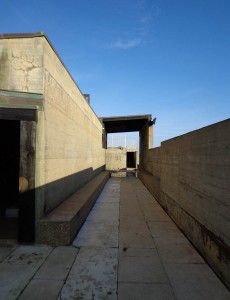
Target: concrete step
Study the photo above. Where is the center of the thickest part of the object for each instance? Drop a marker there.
(61, 225)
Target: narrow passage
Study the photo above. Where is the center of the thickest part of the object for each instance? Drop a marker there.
(131, 249)
(128, 249)
(94, 272)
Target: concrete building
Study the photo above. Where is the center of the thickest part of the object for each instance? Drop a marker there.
(52, 141)
(53, 144)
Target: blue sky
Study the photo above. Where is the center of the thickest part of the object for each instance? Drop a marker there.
(168, 58)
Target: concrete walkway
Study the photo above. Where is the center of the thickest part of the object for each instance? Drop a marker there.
(127, 249)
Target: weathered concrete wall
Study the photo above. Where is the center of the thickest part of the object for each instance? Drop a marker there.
(73, 133)
(116, 159)
(195, 186)
(69, 148)
(21, 64)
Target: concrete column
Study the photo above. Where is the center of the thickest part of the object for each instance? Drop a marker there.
(146, 141)
(26, 232)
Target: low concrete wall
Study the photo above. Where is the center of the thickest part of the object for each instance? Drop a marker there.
(194, 188)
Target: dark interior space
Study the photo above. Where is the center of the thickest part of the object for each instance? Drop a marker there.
(131, 159)
(9, 178)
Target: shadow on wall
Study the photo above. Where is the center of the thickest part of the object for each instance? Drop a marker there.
(58, 190)
(47, 198)
(189, 175)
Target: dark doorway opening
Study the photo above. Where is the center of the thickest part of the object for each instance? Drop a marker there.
(131, 159)
(9, 178)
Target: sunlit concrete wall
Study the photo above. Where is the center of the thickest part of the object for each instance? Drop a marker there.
(193, 172)
(72, 132)
(116, 159)
(22, 64)
(69, 148)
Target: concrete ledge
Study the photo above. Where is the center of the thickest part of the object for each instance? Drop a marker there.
(61, 225)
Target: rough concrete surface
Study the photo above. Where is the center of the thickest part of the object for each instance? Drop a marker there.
(189, 175)
(121, 252)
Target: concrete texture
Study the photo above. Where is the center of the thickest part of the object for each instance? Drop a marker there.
(74, 154)
(21, 65)
(97, 266)
(17, 269)
(116, 158)
(94, 275)
(61, 225)
(69, 149)
(189, 175)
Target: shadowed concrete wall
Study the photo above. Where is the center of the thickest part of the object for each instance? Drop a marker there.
(193, 175)
(151, 174)
(68, 133)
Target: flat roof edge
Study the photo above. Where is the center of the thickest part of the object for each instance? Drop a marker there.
(128, 117)
(21, 35)
(42, 34)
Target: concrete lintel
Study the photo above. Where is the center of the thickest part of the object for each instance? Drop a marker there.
(15, 94)
(129, 117)
(126, 123)
(11, 99)
(21, 114)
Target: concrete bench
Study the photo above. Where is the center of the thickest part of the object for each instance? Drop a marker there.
(62, 224)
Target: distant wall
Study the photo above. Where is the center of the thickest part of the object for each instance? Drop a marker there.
(116, 159)
(190, 176)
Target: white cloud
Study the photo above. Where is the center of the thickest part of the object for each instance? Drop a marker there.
(138, 20)
(125, 44)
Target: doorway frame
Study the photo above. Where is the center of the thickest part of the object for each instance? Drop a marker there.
(27, 156)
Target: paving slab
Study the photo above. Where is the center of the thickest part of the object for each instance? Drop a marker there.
(93, 275)
(136, 252)
(111, 206)
(143, 291)
(99, 224)
(103, 214)
(180, 252)
(195, 281)
(153, 215)
(100, 234)
(19, 267)
(108, 198)
(91, 289)
(142, 269)
(5, 250)
(42, 289)
(164, 229)
(136, 239)
(129, 222)
(58, 263)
